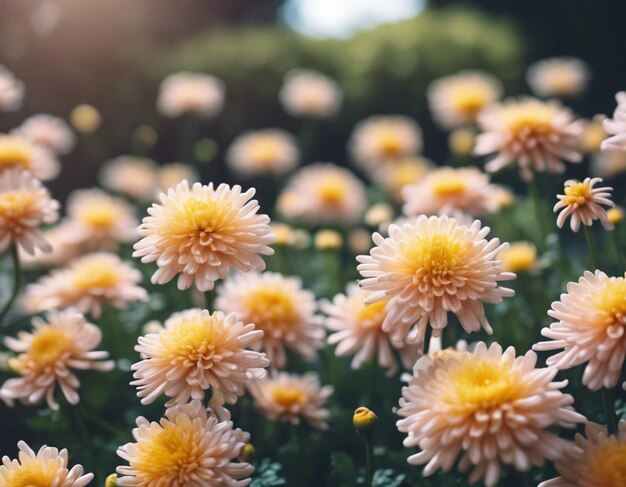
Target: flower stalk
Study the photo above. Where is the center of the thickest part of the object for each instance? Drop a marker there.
(17, 282)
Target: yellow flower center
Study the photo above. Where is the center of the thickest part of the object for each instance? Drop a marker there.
(519, 257)
(14, 204)
(406, 173)
(434, 260)
(265, 151)
(448, 184)
(95, 275)
(610, 301)
(529, 120)
(577, 193)
(172, 454)
(271, 309)
(372, 315)
(390, 143)
(331, 191)
(202, 217)
(48, 345)
(469, 100)
(193, 340)
(100, 215)
(14, 154)
(607, 466)
(288, 397)
(38, 473)
(563, 82)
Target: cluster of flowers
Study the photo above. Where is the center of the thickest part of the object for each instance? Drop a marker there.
(478, 407)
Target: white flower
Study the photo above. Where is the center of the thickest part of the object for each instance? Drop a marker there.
(11, 91)
(558, 76)
(185, 92)
(616, 126)
(308, 93)
(581, 202)
(50, 132)
(269, 151)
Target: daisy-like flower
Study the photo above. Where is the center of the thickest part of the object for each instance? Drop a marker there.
(382, 138)
(48, 467)
(280, 307)
(86, 284)
(581, 202)
(596, 459)
(169, 175)
(323, 194)
(49, 354)
(99, 221)
(616, 126)
(591, 329)
(458, 99)
(186, 448)
(18, 152)
(11, 91)
(308, 93)
(489, 407)
(519, 257)
(201, 232)
(48, 131)
(24, 205)
(269, 151)
(132, 176)
(536, 135)
(196, 351)
(558, 76)
(358, 331)
(430, 267)
(448, 191)
(185, 92)
(292, 398)
(608, 164)
(402, 172)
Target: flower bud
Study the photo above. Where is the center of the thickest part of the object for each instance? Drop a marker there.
(328, 239)
(111, 481)
(247, 452)
(615, 215)
(86, 119)
(364, 419)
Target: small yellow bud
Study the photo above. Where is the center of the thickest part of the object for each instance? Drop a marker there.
(284, 234)
(111, 481)
(145, 136)
(461, 142)
(519, 257)
(328, 239)
(85, 119)
(247, 452)
(364, 419)
(593, 135)
(379, 214)
(615, 215)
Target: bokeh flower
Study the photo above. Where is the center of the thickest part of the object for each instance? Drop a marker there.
(307, 93)
(280, 307)
(169, 175)
(292, 398)
(85, 119)
(519, 257)
(48, 356)
(269, 151)
(430, 267)
(323, 194)
(590, 329)
(449, 191)
(186, 92)
(358, 330)
(62, 251)
(536, 135)
(558, 76)
(593, 460)
(395, 176)
(593, 134)
(608, 164)
(18, 152)
(48, 131)
(195, 352)
(581, 203)
(188, 447)
(48, 466)
(489, 407)
(132, 176)
(201, 232)
(11, 91)
(458, 99)
(86, 284)
(24, 205)
(616, 126)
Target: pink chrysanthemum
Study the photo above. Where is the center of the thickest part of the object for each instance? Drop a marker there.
(308, 93)
(616, 126)
(48, 131)
(581, 202)
(185, 92)
(11, 91)
(269, 151)
(16, 152)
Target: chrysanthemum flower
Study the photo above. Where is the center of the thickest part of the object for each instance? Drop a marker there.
(323, 194)
(308, 93)
(48, 131)
(169, 175)
(519, 257)
(536, 135)
(202, 232)
(292, 398)
(358, 331)
(194, 352)
(616, 126)
(458, 99)
(86, 119)
(62, 251)
(185, 92)
(48, 356)
(269, 151)
(593, 134)
(11, 91)
(24, 205)
(395, 176)
(448, 191)
(581, 202)
(430, 267)
(86, 284)
(280, 307)
(132, 176)
(558, 76)
(99, 221)
(47, 467)
(382, 138)
(591, 329)
(188, 447)
(489, 407)
(596, 459)
(608, 164)
(503, 196)
(17, 152)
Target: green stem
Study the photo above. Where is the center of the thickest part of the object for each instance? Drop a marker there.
(618, 250)
(17, 282)
(427, 334)
(369, 454)
(208, 298)
(609, 411)
(534, 194)
(188, 138)
(591, 246)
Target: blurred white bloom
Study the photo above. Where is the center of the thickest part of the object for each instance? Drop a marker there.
(86, 119)
(558, 76)
(269, 151)
(63, 251)
(308, 93)
(132, 176)
(393, 177)
(169, 175)
(18, 152)
(616, 126)
(11, 91)
(185, 92)
(48, 131)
